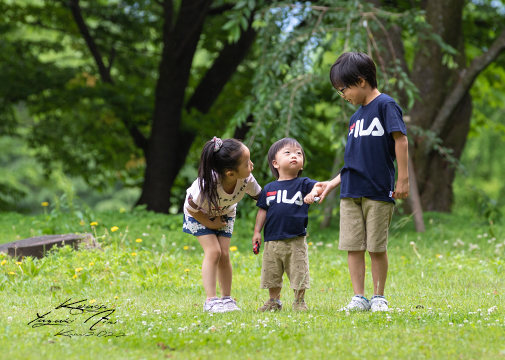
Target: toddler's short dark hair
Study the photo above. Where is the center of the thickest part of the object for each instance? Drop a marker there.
(351, 66)
(274, 149)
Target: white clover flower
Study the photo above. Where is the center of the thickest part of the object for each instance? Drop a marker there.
(473, 247)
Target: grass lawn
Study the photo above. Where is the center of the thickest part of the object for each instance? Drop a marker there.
(446, 303)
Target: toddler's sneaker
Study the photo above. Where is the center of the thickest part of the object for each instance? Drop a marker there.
(358, 303)
(379, 303)
(214, 305)
(271, 305)
(300, 305)
(229, 304)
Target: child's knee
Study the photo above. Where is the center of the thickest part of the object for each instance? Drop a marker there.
(214, 255)
(225, 255)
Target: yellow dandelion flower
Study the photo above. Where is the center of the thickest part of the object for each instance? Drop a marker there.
(233, 248)
(82, 223)
(45, 203)
(186, 247)
(116, 297)
(3, 262)
(78, 269)
(92, 301)
(18, 262)
(186, 270)
(91, 264)
(310, 243)
(75, 276)
(138, 240)
(134, 254)
(11, 272)
(94, 223)
(114, 228)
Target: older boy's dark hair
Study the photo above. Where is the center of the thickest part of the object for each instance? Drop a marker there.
(350, 67)
(274, 149)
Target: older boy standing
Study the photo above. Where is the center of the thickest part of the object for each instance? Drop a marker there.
(377, 136)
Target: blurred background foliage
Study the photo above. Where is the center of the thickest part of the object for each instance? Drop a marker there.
(61, 126)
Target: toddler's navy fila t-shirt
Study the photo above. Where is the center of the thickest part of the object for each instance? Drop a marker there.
(287, 214)
(369, 169)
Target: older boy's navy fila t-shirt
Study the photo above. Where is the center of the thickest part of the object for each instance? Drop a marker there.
(369, 169)
(287, 214)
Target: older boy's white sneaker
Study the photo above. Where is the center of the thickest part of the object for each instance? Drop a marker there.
(229, 304)
(214, 305)
(358, 303)
(379, 303)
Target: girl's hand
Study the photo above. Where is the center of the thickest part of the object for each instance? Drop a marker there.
(217, 223)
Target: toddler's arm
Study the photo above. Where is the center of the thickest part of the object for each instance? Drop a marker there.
(402, 159)
(261, 217)
(316, 191)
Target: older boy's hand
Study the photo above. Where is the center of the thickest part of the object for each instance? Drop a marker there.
(402, 189)
(256, 238)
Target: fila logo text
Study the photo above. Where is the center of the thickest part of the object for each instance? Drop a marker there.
(375, 128)
(282, 196)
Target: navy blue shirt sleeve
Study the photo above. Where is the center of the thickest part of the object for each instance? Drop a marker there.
(261, 203)
(308, 185)
(393, 118)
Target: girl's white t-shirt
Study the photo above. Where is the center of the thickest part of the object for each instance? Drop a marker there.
(227, 201)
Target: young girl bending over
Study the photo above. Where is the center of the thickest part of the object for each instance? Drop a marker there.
(224, 177)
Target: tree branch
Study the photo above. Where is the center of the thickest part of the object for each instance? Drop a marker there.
(466, 81)
(220, 73)
(139, 139)
(83, 28)
(218, 10)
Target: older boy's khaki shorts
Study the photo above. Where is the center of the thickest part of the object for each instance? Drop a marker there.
(290, 256)
(364, 224)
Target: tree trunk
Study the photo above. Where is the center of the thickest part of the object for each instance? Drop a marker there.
(167, 145)
(435, 81)
(170, 142)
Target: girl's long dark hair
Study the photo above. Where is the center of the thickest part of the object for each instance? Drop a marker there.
(216, 163)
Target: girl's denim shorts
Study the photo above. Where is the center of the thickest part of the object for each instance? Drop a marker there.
(194, 227)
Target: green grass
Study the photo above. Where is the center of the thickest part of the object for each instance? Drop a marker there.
(439, 301)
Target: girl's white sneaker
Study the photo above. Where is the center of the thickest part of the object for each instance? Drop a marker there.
(229, 304)
(214, 305)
